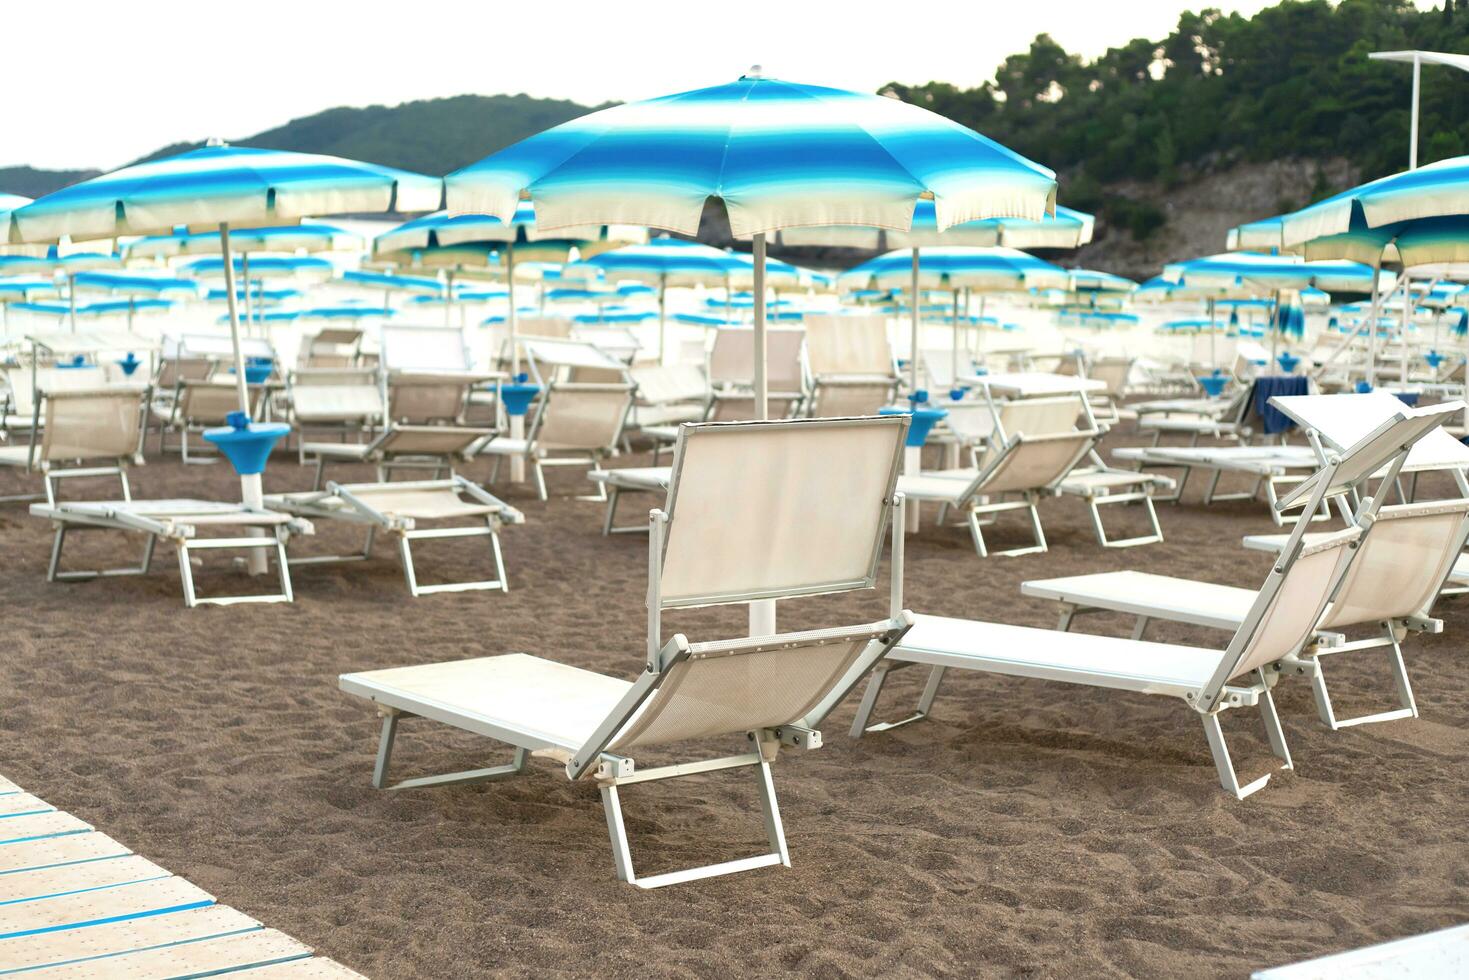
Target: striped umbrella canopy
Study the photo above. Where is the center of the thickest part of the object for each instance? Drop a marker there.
(519, 236)
(665, 262)
(133, 284)
(994, 269)
(954, 267)
(282, 238)
(8, 203)
(1094, 281)
(260, 294)
(138, 290)
(303, 268)
(779, 155)
(781, 274)
(508, 243)
(1066, 228)
(390, 283)
(1271, 273)
(222, 187)
(102, 308)
(350, 311)
(268, 316)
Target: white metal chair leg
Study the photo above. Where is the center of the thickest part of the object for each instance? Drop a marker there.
(1408, 705)
(770, 811)
(385, 757)
(1220, 750)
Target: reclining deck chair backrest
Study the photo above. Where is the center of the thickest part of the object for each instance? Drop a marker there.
(209, 402)
(103, 423)
(1031, 464)
(1404, 558)
(732, 359)
(760, 510)
(410, 349)
(851, 363)
(428, 396)
(335, 395)
(577, 415)
(24, 387)
(1288, 607)
(1041, 416)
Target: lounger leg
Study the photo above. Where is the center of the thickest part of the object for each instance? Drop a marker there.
(405, 554)
(499, 557)
(774, 831)
(977, 535)
(611, 511)
(56, 552)
(1068, 613)
(1224, 764)
(1139, 628)
(385, 758)
(540, 480)
(869, 701)
(186, 574)
(1408, 705)
(1097, 503)
(621, 853)
(1273, 730)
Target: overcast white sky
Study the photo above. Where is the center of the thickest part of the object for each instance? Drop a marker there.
(96, 84)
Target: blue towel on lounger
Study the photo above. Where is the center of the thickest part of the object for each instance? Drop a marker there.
(1273, 421)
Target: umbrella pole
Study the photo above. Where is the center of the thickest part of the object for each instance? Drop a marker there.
(1213, 354)
(1372, 325)
(1403, 333)
(517, 422)
(448, 300)
(913, 331)
(954, 360)
(762, 611)
(662, 318)
(252, 494)
(245, 275)
(71, 293)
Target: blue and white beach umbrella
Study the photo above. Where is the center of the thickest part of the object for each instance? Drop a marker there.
(665, 262)
(135, 291)
(777, 154)
(284, 238)
(222, 187)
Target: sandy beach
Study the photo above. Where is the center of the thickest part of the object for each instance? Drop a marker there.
(1027, 829)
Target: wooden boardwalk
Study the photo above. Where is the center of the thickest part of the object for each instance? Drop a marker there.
(75, 903)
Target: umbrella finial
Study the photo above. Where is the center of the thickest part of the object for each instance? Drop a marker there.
(755, 72)
(214, 141)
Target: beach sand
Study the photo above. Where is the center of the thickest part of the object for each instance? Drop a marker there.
(1027, 829)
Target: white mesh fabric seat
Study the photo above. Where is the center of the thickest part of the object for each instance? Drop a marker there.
(773, 482)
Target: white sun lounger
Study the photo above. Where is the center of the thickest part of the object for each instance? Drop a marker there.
(1279, 621)
(97, 426)
(750, 516)
(397, 509)
(178, 522)
(1025, 467)
(76, 903)
(1401, 564)
(1273, 467)
(1441, 955)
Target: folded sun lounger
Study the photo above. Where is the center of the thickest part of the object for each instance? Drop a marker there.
(1281, 618)
(397, 509)
(750, 517)
(176, 521)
